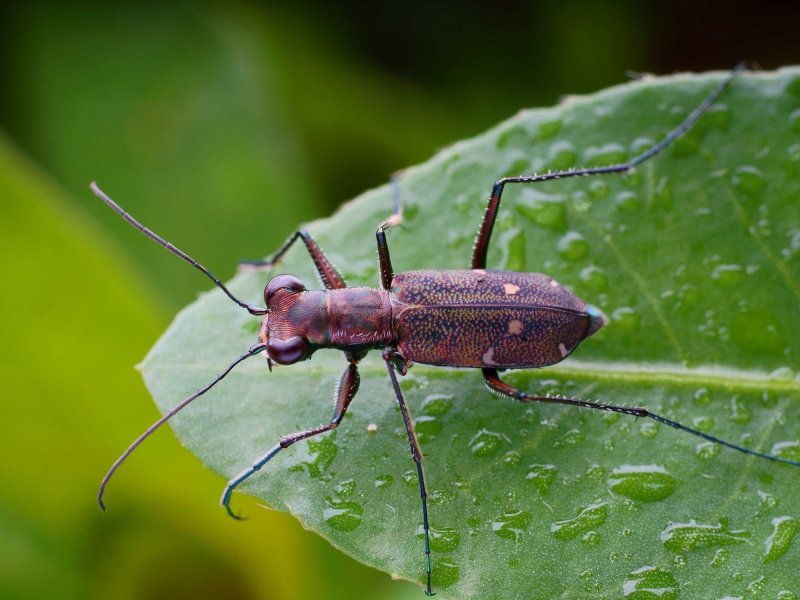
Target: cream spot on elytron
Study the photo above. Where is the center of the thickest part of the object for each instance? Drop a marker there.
(563, 349)
(510, 288)
(515, 327)
(488, 357)
(553, 283)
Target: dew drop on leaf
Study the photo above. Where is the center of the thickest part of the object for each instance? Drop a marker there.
(779, 540)
(748, 180)
(679, 537)
(645, 483)
(542, 477)
(586, 520)
(572, 247)
(510, 525)
(485, 443)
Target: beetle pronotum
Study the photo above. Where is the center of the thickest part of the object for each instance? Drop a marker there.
(477, 318)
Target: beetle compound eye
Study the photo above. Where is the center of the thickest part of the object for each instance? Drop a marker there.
(289, 351)
(282, 282)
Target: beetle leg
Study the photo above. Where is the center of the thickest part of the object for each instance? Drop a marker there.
(416, 455)
(327, 272)
(345, 392)
(489, 217)
(385, 262)
(495, 384)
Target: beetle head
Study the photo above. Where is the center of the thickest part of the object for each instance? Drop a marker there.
(597, 320)
(284, 344)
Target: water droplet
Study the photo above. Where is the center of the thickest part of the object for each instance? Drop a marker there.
(439, 497)
(545, 210)
(321, 453)
(343, 514)
(728, 275)
(779, 540)
(651, 583)
(702, 397)
(640, 145)
(757, 586)
(512, 459)
(599, 189)
(645, 483)
(706, 450)
(720, 556)
(628, 201)
(703, 424)
(514, 244)
(626, 318)
(485, 443)
(345, 488)
(437, 405)
(542, 476)
(427, 428)
(595, 472)
(410, 478)
(648, 429)
(510, 525)
(610, 154)
(788, 450)
(740, 413)
(383, 481)
(609, 418)
(766, 501)
(594, 278)
(758, 332)
(444, 573)
(784, 374)
(572, 437)
(589, 518)
(749, 180)
(718, 116)
(794, 121)
(444, 539)
(679, 537)
(561, 156)
(508, 135)
(545, 131)
(572, 247)
(518, 164)
(591, 538)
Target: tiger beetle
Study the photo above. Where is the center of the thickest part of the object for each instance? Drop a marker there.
(478, 318)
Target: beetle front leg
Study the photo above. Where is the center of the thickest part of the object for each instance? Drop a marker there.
(390, 357)
(345, 392)
(327, 272)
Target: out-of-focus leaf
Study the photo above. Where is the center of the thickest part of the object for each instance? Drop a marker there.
(694, 257)
(75, 317)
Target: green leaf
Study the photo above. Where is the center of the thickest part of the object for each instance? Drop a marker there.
(694, 256)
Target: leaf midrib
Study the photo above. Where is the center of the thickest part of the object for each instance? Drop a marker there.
(611, 372)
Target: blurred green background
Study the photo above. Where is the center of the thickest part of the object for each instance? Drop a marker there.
(222, 126)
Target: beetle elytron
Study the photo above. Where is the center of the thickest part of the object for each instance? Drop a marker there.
(478, 318)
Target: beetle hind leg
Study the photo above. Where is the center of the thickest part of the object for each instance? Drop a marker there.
(494, 383)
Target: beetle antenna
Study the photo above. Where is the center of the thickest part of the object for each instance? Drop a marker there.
(251, 308)
(256, 349)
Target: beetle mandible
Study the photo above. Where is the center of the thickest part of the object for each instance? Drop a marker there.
(486, 319)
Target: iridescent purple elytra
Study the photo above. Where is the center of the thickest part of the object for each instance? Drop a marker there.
(478, 318)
